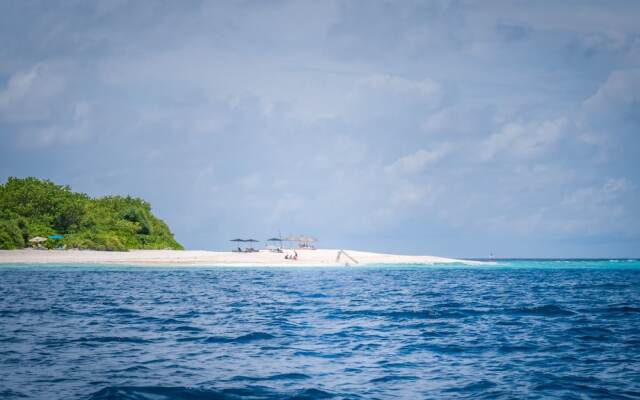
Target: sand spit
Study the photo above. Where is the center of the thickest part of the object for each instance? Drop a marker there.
(306, 258)
(192, 258)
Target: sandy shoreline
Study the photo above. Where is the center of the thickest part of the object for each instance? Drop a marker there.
(193, 258)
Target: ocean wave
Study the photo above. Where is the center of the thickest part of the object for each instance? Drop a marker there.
(187, 328)
(92, 340)
(440, 348)
(160, 321)
(111, 339)
(589, 330)
(276, 377)
(184, 393)
(319, 354)
(433, 314)
(474, 387)
(188, 315)
(119, 310)
(11, 340)
(549, 310)
(393, 378)
(11, 313)
(590, 387)
(315, 296)
(12, 394)
(249, 337)
(621, 309)
(517, 348)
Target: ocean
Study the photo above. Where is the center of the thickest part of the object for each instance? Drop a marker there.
(533, 329)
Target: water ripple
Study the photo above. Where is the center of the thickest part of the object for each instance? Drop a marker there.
(564, 330)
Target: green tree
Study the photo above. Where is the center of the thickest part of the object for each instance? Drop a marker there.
(32, 207)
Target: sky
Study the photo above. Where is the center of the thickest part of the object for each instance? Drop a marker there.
(451, 128)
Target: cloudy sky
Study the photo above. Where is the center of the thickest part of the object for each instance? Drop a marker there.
(454, 128)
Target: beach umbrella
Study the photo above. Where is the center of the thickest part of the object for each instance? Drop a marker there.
(275, 239)
(38, 239)
(251, 240)
(237, 241)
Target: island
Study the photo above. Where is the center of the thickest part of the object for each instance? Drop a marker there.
(38, 215)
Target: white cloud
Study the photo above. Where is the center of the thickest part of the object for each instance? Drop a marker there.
(418, 161)
(29, 93)
(596, 196)
(76, 129)
(425, 87)
(608, 118)
(284, 206)
(35, 99)
(518, 140)
(407, 194)
(445, 120)
(622, 87)
(597, 209)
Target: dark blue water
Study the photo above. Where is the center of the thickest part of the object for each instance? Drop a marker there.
(534, 329)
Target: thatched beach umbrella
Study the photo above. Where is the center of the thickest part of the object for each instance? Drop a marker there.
(37, 241)
(308, 239)
(302, 238)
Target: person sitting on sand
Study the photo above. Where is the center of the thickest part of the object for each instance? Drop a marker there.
(295, 255)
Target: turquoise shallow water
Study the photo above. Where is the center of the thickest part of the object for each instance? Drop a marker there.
(515, 329)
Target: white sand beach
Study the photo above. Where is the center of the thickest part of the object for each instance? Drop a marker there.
(193, 258)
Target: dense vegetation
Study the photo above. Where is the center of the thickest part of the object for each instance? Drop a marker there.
(31, 207)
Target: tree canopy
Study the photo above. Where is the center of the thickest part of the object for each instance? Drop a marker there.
(31, 207)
